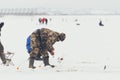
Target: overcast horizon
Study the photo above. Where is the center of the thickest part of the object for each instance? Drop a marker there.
(61, 4)
(60, 7)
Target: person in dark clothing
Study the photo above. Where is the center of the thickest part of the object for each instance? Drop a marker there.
(2, 55)
(100, 23)
(46, 21)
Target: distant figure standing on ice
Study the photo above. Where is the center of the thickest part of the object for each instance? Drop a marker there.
(100, 23)
(43, 20)
(76, 20)
(41, 42)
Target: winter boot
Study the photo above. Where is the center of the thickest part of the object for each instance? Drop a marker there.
(2, 55)
(46, 62)
(31, 63)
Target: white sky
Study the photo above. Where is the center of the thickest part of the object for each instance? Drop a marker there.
(74, 4)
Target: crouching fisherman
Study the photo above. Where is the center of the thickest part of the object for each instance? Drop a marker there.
(41, 42)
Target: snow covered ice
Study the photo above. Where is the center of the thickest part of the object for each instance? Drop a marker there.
(90, 51)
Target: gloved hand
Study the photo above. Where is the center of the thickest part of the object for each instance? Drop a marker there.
(52, 52)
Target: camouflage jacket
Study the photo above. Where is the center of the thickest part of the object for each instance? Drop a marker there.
(47, 39)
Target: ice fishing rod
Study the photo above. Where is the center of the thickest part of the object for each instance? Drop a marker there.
(22, 64)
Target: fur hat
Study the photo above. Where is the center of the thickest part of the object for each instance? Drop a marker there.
(62, 36)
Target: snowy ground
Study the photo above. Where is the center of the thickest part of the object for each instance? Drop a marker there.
(87, 50)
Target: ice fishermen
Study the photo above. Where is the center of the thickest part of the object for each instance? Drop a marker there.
(43, 20)
(42, 41)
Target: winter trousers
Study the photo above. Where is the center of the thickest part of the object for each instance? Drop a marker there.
(2, 55)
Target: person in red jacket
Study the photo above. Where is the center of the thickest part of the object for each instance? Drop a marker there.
(43, 20)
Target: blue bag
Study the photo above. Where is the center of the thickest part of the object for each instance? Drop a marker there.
(28, 44)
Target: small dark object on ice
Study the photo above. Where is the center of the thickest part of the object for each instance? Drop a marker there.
(77, 23)
(105, 67)
(61, 58)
